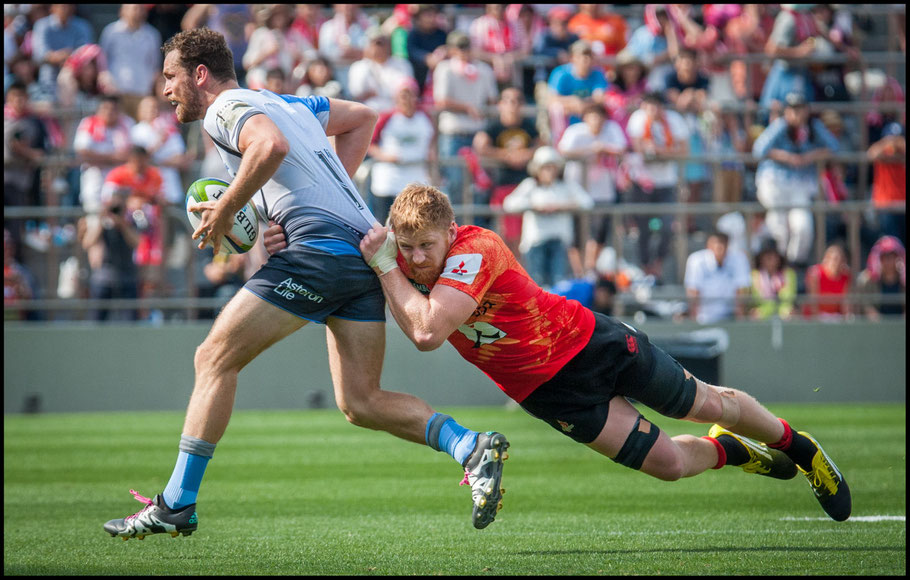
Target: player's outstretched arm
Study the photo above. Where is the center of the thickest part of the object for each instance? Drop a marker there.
(352, 126)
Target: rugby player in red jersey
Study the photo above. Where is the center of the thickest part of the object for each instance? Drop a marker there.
(569, 366)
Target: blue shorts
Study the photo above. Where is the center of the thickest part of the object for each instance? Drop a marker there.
(317, 282)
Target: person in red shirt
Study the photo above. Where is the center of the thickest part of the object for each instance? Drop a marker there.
(828, 284)
(571, 367)
(141, 185)
(606, 31)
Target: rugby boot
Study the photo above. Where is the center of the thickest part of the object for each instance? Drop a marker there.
(483, 471)
(154, 518)
(827, 483)
(762, 459)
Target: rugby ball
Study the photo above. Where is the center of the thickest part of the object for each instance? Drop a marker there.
(246, 223)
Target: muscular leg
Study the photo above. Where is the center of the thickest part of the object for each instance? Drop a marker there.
(245, 327)
(734, 410)
(356, 350)
(669, 459)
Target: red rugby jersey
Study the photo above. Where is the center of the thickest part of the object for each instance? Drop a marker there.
(519, 335)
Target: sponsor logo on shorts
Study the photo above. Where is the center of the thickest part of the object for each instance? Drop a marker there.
(565, 426)
(288, 289)
(631, 344)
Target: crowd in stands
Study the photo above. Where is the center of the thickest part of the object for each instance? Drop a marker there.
(543, 110)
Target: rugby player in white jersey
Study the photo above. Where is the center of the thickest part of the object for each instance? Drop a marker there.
(277, 150)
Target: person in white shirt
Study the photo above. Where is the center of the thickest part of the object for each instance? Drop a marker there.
(658, 136)
(132, 47)
(403, 144)
(373, 79)
(547, 229)
(597, 143)
(717, 281)
(161, 137)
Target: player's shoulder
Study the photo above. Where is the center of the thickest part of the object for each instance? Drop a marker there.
(479, 241)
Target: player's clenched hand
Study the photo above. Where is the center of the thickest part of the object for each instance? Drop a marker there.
(379, 249)
(273, 238)
(213, 223)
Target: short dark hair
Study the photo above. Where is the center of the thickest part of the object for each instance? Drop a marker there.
(686, 52)
(17, 86)
(139, 150)
(723, 237)
(594, 108)
(203, 46)
(654, 97)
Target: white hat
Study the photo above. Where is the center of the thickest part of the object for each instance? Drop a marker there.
(543, 156)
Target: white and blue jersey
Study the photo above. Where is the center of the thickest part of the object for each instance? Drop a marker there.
(310, 195)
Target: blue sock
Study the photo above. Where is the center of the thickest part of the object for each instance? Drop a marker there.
(444, 434)
(192, 460)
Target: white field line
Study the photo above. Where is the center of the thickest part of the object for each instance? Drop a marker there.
(853, 519)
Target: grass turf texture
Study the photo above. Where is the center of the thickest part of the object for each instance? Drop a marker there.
(304, 492)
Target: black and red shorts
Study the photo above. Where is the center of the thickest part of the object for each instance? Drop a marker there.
(618, 360)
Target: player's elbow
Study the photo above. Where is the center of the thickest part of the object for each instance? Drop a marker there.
(278, 146)
(426, 341)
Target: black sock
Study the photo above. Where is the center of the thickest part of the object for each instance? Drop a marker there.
(801, 451)
(736, 451)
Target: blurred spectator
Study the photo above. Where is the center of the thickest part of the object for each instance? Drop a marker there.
(649, 43)
(687, 92)
(307, 20)
(462, 89)
(225, 274)
(835, 35)
(426, 43)
(885, 275)
(102, 142)
(133, 51)
(793, 37)
(890, 93)
(728, 136)
(319, 79)
(110, 241)
(606, 31)
(511, 139)
(554, 42)
(343, 38)
(548, 229)
(54, 38)
(774, 284)
(160, 136)
(234, 21)
(655, 132)
(142, 183)
(402, 146)
(397, 26)
(593, 149)
(498, 41)
(790, 150)
(889, 179)
(572, 86)
(742, 29)
(10, 40)
(26, 142)
(276, 81)
(373, 80)
(17, 280)
(604, 299)
(828, 285)
(628, 83)
(84, 78)
(531, 26)
(717, 281)
(274, 45)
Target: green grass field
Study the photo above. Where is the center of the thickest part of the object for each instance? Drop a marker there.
(304, 492)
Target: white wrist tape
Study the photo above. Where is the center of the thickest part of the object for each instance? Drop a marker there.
(385, 259)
